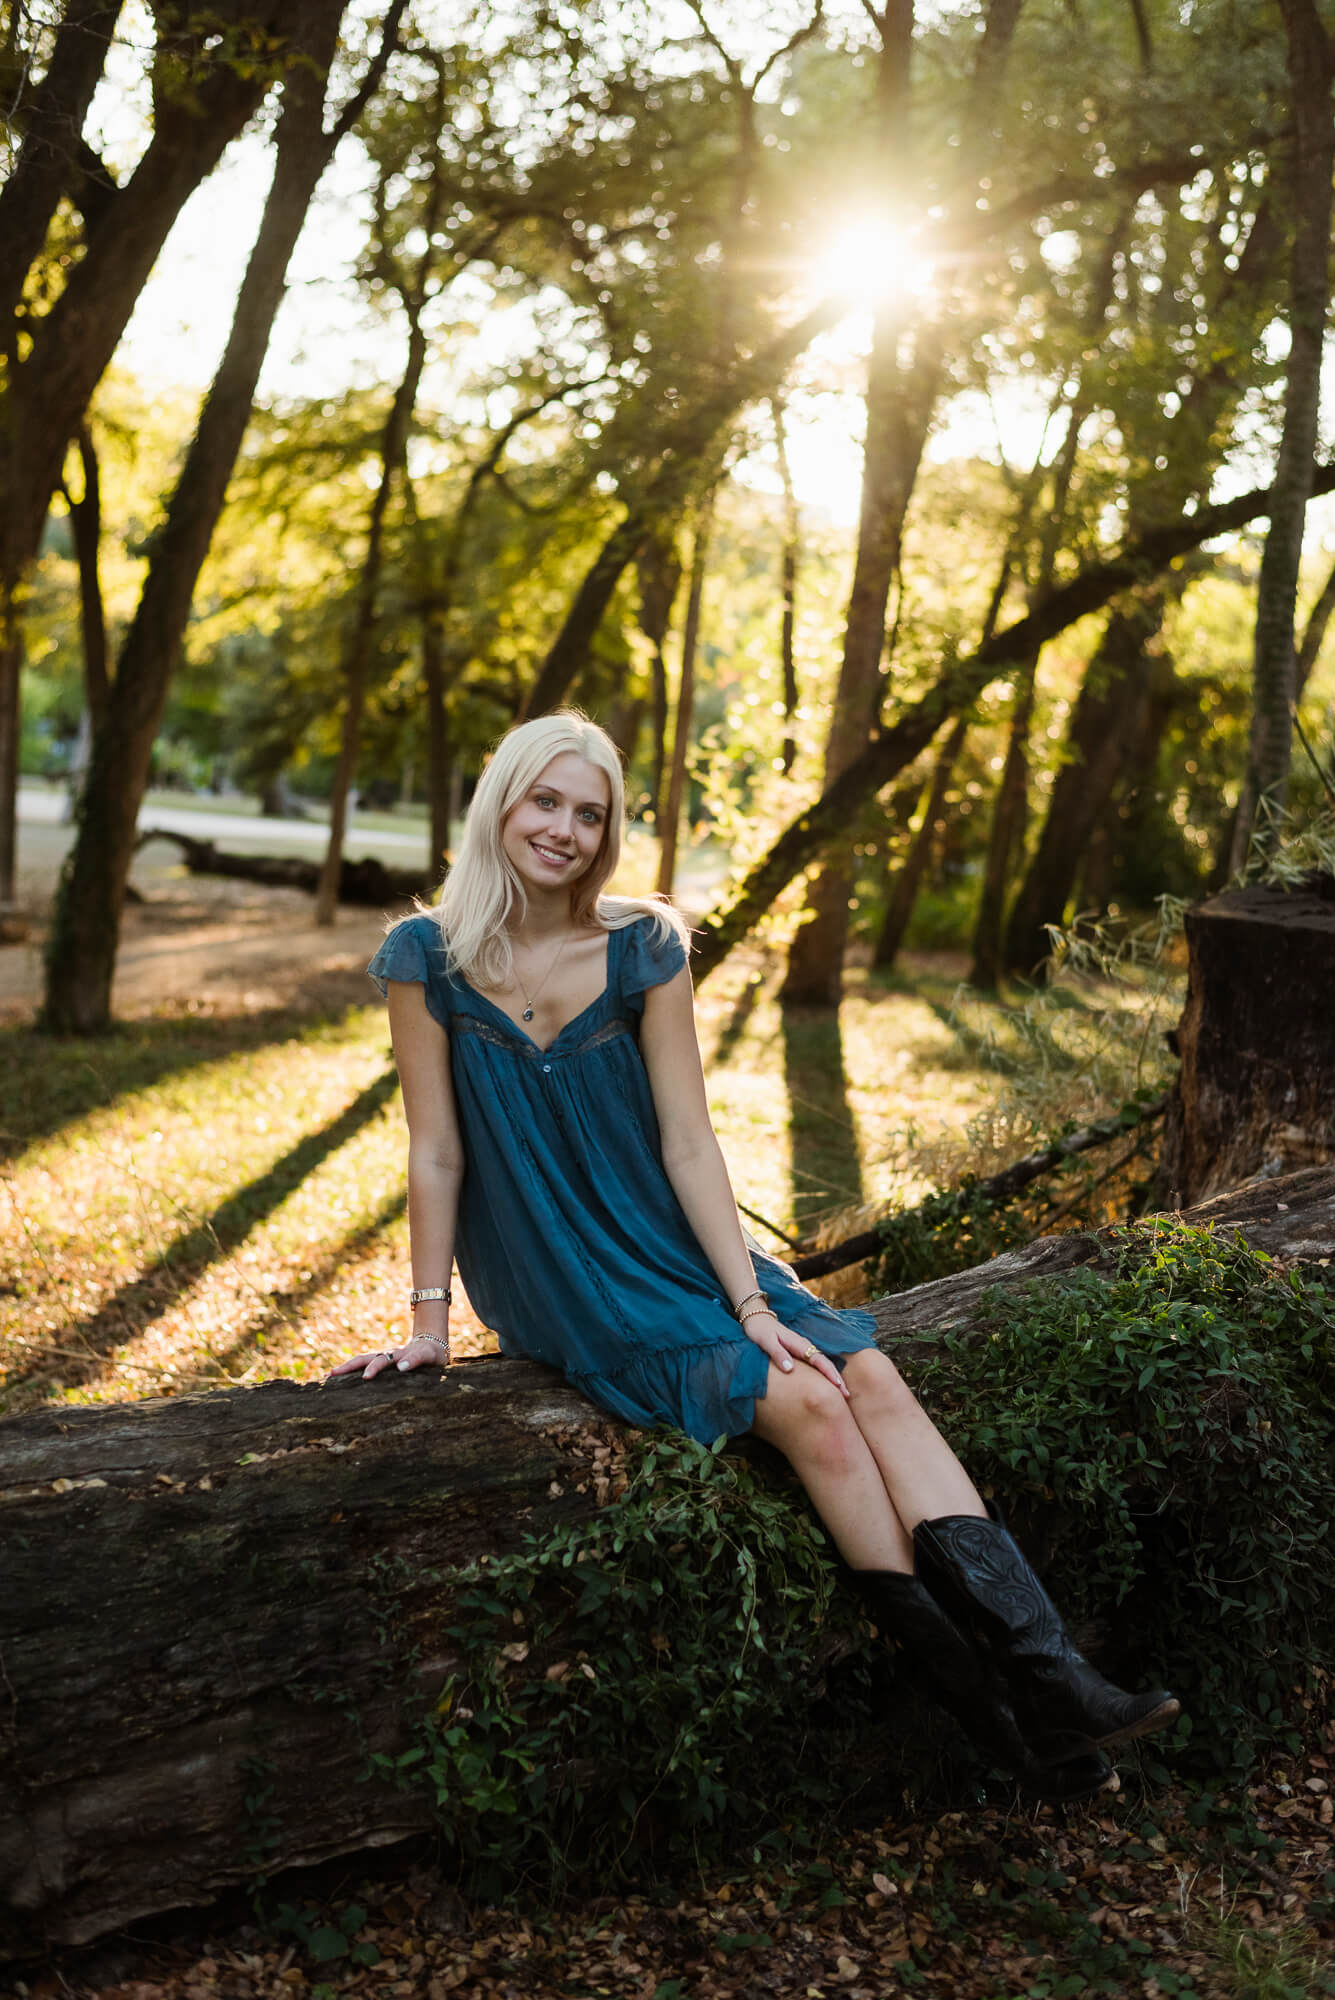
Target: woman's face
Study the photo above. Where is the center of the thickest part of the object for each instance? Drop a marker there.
(556, 832)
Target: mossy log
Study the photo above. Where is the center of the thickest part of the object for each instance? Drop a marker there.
(196, 1595)
(1256, 1093)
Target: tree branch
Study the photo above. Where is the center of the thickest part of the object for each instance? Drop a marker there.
(892, 749)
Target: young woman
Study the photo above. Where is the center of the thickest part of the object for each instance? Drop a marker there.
(560, 1147)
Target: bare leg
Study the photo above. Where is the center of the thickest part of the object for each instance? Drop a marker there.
(921, 1474)
(811, 1423)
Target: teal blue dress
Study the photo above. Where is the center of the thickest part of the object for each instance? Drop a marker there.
(570, 1240)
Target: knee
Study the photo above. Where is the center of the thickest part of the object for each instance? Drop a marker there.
(877, 1391)
(820, 1430)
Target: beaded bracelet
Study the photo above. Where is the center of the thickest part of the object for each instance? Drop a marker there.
(763, 1307)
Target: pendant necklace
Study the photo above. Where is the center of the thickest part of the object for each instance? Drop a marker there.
(529, 998)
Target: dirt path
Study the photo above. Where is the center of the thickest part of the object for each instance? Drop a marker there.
(197, 944)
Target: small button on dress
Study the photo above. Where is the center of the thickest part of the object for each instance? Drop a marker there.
(570, 1240)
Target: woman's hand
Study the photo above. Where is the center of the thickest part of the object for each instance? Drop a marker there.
(414, 1354)
(785, 1348)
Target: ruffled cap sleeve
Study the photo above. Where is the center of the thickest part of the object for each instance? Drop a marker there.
(413, 952)
(647, 961)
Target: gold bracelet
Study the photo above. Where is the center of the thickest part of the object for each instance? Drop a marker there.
(763, 1296)
(756, 1312)
(428, 1292)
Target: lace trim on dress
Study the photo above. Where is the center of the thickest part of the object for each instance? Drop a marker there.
(473, 1024)
(488, 1031)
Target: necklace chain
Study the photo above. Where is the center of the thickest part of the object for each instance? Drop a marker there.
(529, 998)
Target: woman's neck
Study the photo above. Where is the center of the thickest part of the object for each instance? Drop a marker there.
(542, 921)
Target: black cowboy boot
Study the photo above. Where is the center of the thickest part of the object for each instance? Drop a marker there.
(1062, 1703)
(955, 1675)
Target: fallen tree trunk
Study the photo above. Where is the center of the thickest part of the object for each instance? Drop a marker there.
(204, 1600)
(367, 881)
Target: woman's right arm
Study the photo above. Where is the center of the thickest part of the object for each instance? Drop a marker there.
(435, 1171)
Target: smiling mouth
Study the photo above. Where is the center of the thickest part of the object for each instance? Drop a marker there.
(550, 854)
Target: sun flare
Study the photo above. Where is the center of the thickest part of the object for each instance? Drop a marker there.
(869, 259)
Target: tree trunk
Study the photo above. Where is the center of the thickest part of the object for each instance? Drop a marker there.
(893, 448)
(1314, 634)
(1256, 1093)
(85, 934)
(1274, 677)
(658, 572)
(792, 533)
(908, 881)
(1009, 814)
(900, 402)
(46, 394)
(670, 824)
(895, 746)
(216, 1607)
(86, 521)
(438, 755)
(1102, 729)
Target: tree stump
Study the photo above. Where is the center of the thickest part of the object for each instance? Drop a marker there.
(1256, 1092)
(196, 1595)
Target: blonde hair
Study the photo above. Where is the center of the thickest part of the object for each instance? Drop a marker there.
(482, 892)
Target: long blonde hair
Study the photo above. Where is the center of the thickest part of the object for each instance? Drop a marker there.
(482, 892)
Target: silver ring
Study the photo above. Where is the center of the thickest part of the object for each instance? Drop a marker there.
(388, 1355)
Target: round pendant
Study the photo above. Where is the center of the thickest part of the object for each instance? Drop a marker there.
(528, 1014)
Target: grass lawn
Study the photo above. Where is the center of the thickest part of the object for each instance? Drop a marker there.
(197, 1201)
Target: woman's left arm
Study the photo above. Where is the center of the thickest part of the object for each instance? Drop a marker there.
(694, 1164)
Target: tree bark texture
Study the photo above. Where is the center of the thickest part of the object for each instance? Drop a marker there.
(1274, 671)
(193, 1594)
(895, 746)
(1256, 1093)
(85, 934)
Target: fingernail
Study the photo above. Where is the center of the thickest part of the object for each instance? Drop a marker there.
(787, 1365)
(402, 1366)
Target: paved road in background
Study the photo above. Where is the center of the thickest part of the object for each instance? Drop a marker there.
(247, 833)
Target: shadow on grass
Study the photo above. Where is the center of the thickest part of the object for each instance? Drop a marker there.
(826, 1157)
(124, 1317)
(248, 1346)
(50, 1081)
(739, 1019)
